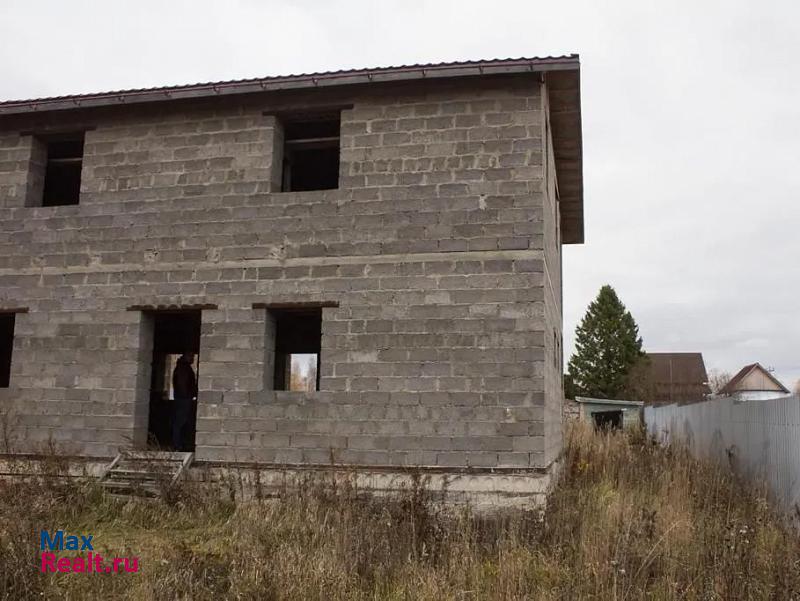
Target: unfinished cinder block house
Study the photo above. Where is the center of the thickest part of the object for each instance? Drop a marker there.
(366, 265)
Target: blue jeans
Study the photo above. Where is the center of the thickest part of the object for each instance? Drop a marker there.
(183, 409)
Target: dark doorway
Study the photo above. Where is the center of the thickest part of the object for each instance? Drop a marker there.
(6, 347)
(175, 334)
(607, 420)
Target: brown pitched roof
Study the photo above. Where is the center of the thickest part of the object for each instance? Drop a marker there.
(733, 384)
(677, 377)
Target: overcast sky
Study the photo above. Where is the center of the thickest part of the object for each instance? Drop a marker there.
(691, 125)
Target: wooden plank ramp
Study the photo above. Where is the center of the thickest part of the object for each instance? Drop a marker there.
(145, 474)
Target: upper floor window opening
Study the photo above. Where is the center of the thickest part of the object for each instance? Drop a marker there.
(311, 152)
(62, 174)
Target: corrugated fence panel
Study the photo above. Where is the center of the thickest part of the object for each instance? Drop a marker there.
(759, 439)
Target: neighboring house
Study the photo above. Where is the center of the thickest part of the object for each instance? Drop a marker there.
(754, 383)
(388, 238)
(677, 378)
(610, 413)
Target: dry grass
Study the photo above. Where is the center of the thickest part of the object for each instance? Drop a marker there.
(628, 520)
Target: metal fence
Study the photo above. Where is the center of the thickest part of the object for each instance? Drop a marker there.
(759, 439)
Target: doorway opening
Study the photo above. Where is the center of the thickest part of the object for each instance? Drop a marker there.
(607, 420)
(173, 380)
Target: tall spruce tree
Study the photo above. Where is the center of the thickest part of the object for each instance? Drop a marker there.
(607, 347)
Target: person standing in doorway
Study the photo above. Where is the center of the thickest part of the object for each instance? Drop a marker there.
(184, 386)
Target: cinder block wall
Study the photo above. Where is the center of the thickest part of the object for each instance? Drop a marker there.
(441, 248)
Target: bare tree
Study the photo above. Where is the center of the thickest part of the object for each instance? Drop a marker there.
(717, 379)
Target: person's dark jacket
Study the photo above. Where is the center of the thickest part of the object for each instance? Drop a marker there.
(184, 382)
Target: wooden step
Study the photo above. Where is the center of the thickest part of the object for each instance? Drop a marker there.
(145, 469)
(128, 475)
(151, 465)
(140, 493)
(156, 455)
(144, 473)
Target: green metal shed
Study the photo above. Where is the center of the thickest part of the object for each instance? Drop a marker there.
(610, 413)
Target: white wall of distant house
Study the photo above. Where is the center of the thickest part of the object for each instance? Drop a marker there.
(759, 395)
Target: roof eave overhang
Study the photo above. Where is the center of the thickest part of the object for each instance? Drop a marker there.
(593, 401)
(564, 99)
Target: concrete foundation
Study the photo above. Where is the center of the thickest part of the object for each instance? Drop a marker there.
(480, 489)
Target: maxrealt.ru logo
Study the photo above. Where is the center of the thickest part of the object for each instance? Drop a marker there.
(89, 563)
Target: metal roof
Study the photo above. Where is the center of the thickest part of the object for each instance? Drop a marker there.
(301, 80)
(677, 377)
(679, 368)
(591, 401)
